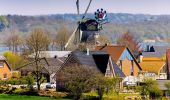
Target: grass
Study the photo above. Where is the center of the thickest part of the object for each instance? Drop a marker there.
(24, 97)
(111, 96)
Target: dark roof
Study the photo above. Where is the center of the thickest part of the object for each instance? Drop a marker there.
(84, 59)
(158, 51)
(96, 59)
(49, 65)
(117, 70)
(54, 64)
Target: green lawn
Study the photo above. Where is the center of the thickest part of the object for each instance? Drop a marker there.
(23, 97)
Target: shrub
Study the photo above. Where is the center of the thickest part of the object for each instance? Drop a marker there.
(52, 94)
(26, 91)
(7, 89)
(78, 79)
(155, 92)
(16, 74)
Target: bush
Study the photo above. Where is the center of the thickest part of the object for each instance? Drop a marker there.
(16, 74)
(155, 92)
(7, 89)
(78, 79)
(52, 94)
(26, 91)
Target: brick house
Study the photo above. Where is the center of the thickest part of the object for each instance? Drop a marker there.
(123, 57)
(5, 70)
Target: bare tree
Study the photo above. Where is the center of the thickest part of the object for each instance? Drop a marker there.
(103, 40)
(62, 37)
(13, 42)
(128, 40)
(36, 42)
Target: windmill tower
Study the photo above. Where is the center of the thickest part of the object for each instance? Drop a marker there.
(87, 29)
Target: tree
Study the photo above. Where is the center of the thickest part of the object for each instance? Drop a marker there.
(30, 81)
(167, 85)
(81, 79)
(127, 39)
(13, 42)
(62, 37)
(36, 42)
(103, 40)
(78, 79)
(14, 59)
(149, 87)
(106, 85)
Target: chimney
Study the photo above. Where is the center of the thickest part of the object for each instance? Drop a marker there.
(88, 51)
(168, 63)
(55, 57)
(140, 58)
(148, 48)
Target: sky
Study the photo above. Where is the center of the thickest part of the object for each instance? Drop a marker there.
(43, 7)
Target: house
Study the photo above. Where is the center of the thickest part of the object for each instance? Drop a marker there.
(5, 70)
(50, 62)
(153, 62)
(123, 57)
(154, 68)
(99, 60)
(51, 54)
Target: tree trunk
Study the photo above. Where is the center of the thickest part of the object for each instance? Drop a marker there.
(38, 86)
(100, 93)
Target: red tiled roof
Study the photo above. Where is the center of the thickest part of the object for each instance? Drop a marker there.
(114, 51)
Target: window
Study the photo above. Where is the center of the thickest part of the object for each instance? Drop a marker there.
(1, 64)
(5, 76)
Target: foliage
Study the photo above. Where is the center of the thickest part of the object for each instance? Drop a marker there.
(150, 87)
(30, 81)
(14, 60)
(16, 74)
(155, 92)
(82, 79)
(106, 85)
(78, 79)
(53, 94)
(15, 81)
(111, 96)
(167, 85)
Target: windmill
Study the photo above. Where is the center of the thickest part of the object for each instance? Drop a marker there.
(86, 27)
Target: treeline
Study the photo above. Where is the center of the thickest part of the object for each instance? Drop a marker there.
(142, 26)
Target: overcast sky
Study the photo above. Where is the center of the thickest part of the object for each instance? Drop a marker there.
(39, 7)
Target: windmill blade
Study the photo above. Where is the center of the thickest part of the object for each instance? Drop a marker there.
(87, 9)
(72, 38)
(78, 9)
